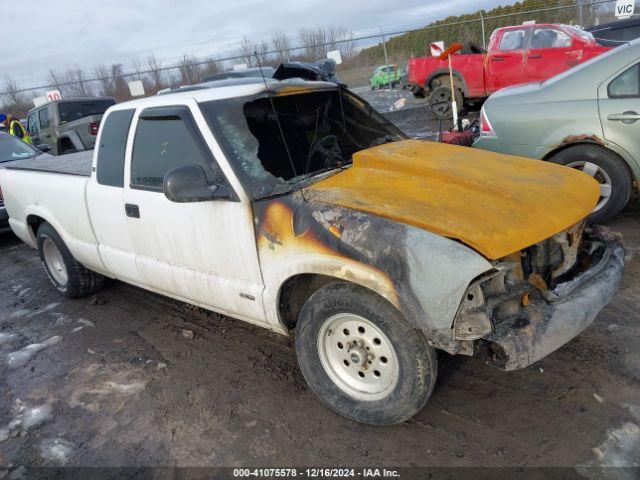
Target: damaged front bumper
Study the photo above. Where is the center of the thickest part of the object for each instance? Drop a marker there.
(564, 312)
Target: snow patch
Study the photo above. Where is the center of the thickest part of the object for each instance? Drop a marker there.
(19, 313)
(21, 357)
(77, 329)
(4, 434)
(86, 323)
(32, 417)
(57, 450)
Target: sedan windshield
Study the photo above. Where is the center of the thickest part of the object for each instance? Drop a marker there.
(12, 148)
(275, 148)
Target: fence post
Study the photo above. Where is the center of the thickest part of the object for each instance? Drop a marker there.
(484, 40)
(386, 57)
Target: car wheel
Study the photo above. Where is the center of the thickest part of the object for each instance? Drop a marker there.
(361, 356)
(608, 169)
(70, 277)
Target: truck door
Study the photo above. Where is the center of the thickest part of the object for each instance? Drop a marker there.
(619, 106)
(505, 62)
(105, 197)
(46, 128)
(551, 52)
(203, 252)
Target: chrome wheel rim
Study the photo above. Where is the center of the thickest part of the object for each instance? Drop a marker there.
(358, 357)
(54, 261)
(600, 176)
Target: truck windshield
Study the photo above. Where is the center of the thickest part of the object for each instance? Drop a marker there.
(12, 149)
(322, 129)
(74, 110)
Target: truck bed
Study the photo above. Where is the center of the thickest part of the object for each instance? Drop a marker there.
(71, 164)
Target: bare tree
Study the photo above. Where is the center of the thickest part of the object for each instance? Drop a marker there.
(103, 74)
(282, 45)
(246, 50)
(155, 73)
(15, 101)
(189, 70)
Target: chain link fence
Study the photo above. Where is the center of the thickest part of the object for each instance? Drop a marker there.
(360, 54)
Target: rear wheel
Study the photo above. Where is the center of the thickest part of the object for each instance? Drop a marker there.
(361, 357)
(70, 277)
(608, 169)
(440, 101)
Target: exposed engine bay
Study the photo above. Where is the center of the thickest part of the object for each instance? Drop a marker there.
(520, 293)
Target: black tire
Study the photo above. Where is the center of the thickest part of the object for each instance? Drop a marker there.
(417, 361)
(614, 167)
(440, 101)
(80, 280)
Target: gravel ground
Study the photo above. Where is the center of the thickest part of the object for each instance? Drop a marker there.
(129, 378)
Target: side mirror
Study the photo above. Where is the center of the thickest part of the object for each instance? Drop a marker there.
(43, 147)
(189, 184)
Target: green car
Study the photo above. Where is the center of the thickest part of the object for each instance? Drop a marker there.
(384, 75)
(586, 118)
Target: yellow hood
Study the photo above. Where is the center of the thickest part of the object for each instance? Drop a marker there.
(496, 204)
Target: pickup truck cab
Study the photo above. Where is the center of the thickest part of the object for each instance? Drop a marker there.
(294, 205)
(67, 125)
(519, 54)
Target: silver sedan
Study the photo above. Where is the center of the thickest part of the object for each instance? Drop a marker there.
(585, 118)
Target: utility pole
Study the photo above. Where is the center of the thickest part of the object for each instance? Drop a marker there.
(386, 57)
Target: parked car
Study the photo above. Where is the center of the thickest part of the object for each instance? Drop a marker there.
(295, 205)
(68, 125)
(616, 33)
(12, 151)
(519, 54)
(384, 75)
(586, 118)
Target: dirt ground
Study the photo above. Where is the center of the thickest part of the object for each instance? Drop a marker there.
(129, 378)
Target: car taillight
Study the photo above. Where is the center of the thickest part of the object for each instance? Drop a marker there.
(93, 128)
(486, 130)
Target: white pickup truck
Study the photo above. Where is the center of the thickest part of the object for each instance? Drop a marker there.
(295, 206)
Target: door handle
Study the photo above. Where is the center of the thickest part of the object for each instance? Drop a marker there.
(132, 210)
(626, 117)
(535, 55)
(497, 59)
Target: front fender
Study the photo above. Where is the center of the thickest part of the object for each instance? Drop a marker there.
(422, 274)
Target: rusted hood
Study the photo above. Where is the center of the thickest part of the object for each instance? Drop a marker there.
(496, 204)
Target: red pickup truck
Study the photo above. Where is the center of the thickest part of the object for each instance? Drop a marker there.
(519, 54)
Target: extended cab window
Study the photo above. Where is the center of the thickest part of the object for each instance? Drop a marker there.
(43, 115)
(111, 151)
(626, 84)
(512, 40)
(166, 140)
(74, 110)
(549, 38)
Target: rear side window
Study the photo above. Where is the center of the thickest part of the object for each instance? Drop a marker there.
(75, 110)
(111, 151)
(43, 115)
(549, 38)
(626, 84)
(164, 142)
(512, 40)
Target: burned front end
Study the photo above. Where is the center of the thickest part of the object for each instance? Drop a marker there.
(538, 299)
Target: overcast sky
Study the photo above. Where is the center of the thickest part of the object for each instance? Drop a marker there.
(61, 33)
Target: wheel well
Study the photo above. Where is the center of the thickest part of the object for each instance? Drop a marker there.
(294, 293)
(443, 79)
(34, 223)
(590, 143)
(64, 142)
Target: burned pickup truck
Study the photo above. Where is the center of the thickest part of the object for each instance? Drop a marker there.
(295, 206)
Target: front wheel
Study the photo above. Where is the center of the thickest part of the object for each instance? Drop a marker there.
(71, 278)
(361, 357)
(608, 169)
